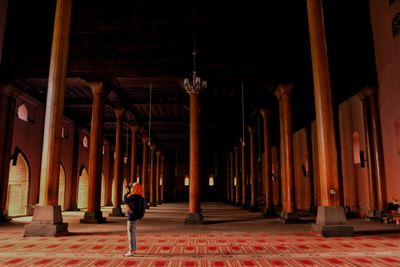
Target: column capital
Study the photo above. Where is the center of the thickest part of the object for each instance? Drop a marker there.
(134, 128)
(251, 129)
(283, 90)
(119, 112)
(370, 91)
(9, 90)
(145, 138)
(152, 146)
(163, 157)
(235, 147)
(266, 112)
(98, 88)
(242, 143)
(158, 153)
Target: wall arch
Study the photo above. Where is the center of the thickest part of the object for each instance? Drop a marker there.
(61, 187)
(83, 186)
(18, 185)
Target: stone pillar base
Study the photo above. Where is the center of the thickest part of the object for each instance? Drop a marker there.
(288, 217)
(194, 218)
(254, 208)
(238, 204)
(269, 213)
(46, 221)
(116, 212)
(4, 217)
(245, 206)
(331, 221)
(153, 204)
(93, 217)
(159, 202)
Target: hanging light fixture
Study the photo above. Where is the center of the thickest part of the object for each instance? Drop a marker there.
(194, 86)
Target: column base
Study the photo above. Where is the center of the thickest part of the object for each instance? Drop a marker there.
(153, 204)
(245, 206)
(331, 221)
(4, 216)
(93, 217)
(269, 213)
(158, 202)
(116, 212)
(194, 218)
(288, 217)
(238, 204)
(254, 208)
(46, 221)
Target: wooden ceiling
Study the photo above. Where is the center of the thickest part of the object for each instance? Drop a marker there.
(128, 44)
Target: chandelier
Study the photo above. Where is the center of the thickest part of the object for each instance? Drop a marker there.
(194, 86)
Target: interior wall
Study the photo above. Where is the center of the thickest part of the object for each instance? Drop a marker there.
(28, 136)
(355, 177)
(82, 162)
(315, 165)
(387, 54)
(67, 159)
(302, 180)
(18, 184)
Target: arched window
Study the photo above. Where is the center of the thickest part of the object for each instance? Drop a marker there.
(23, 112)
(85, 142)
(161, 178)
(187, 180)
(356, 148)
(398, 134)
(211, 180)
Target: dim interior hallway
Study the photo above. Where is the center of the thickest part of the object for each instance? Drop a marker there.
(230, 237)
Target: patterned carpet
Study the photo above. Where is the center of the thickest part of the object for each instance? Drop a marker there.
(103, 245)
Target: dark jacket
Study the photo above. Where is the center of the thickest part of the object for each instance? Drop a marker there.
(136, 206)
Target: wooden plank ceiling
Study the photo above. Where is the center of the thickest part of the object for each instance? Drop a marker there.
(128, 44)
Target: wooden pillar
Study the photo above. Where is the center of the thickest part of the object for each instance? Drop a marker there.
(253, 203)
(134, 129)
(157, 180)
(228, 179)
(143, 179)
(93, 213)
(237, 191)
(331, 219)
(162, 179)
(377, 149)
(117, 197)
(152, 177)
(286, 148)
(194, 216)
(50, 169)
(7, 116)
(269, 205)
(243, 154)
(232, 177)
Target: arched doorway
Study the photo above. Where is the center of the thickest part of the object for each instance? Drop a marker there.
(18, 186)
(103, 190)
(61, 187)
(83, 187)
(112, 190)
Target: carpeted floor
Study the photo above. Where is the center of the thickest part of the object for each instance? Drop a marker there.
(230, 237)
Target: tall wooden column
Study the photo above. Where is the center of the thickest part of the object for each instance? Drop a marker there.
(232, 177)
(162, 179)
(228, 180)
(237, 192)
(243, 154)
(152, 176)
(7, 116)
(134, 129)
(377, 149)
(269, 205)
(117, 197)
(194, 216)
(331, 220)
(93, 213)
(286, 150)
(157, 179)
(47, 218)
(253, 203)
(143, 179)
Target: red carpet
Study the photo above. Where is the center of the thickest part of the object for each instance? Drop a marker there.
(239, 249)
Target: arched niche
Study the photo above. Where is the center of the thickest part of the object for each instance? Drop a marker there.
(23, 113)
(83, 187)
(18, 186)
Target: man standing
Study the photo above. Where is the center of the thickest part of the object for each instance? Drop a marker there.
(136, 205)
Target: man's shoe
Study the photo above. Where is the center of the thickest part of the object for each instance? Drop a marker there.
(129, 254)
